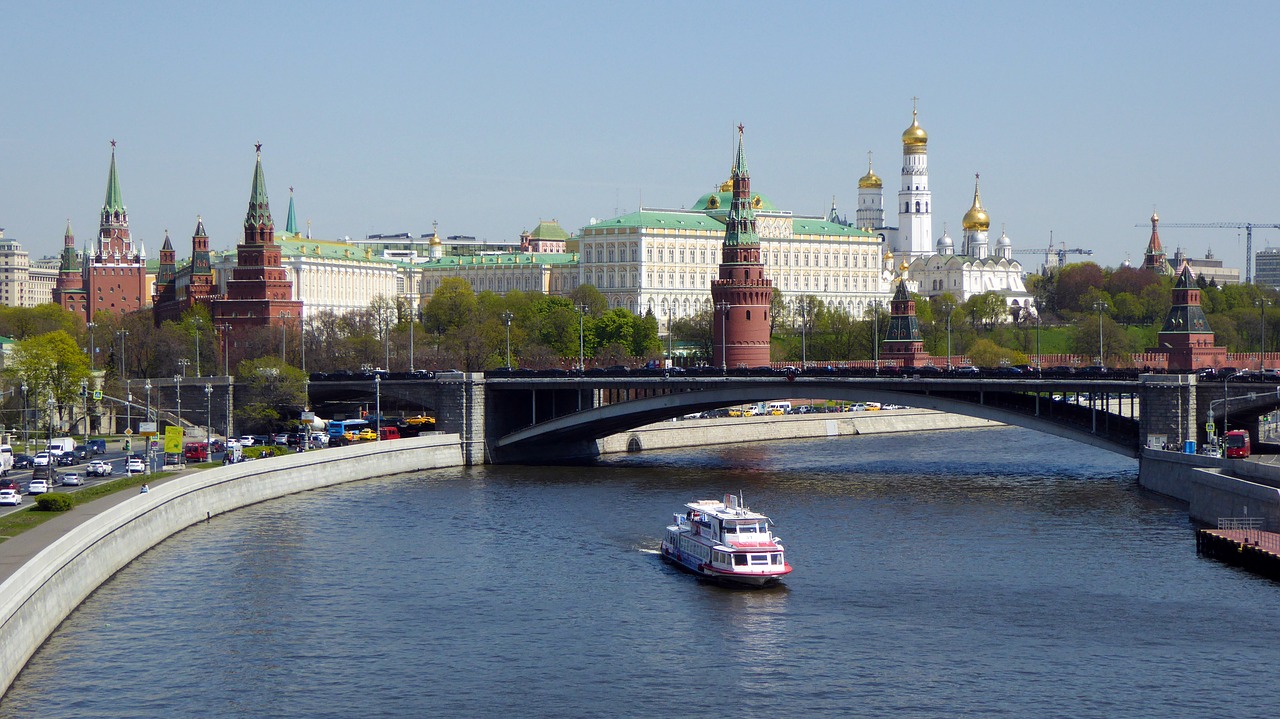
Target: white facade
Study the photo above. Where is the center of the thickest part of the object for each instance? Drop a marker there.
(914, 237)
(24, 283)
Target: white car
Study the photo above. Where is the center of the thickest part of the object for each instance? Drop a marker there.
(72, 479)
(41, 459)
(98, 468)
(246, 441)
(37, 486)
(135, 466)
(10, 498)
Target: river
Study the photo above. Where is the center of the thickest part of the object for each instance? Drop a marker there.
(988, 573)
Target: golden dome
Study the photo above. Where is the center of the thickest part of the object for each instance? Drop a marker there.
(870, 180)
(976, 218)
(903, 267)
(888, 255)
(914, 136)
(1154, 218)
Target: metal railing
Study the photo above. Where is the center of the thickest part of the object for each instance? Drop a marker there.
(1241, 523)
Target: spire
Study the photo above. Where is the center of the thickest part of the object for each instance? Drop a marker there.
(740, 162)
(259, 214)
(291, 223)
(113, 201)
(200, 227)
(168, 245)
(976, 218)
(69, 239)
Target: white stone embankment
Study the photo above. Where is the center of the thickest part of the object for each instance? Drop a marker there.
(732, 430)
(41, 592)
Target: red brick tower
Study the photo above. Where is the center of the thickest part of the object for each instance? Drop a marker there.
(903, 344)
(258, 293)
(68, 289)
(201, 288)
(115, 277)
(166, 280)
(741, 296)
(1186, 336)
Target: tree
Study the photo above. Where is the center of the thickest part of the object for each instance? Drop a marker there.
(985, 353)
(695, 330)
(593, 298)
(51, 365)
(276, 392)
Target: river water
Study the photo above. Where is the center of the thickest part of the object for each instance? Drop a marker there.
(965, 573)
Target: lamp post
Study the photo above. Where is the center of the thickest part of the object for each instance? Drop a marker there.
(196, 323)
(177, 391)
(804, 329)
(875, 339)
(723, 307)
(122, 335)
(52, 405)
(128, 406)
(147, 387)
(302, 344)
(91, 325)
(1262, 332)
(1101, 307)
(183, 363)
(582, 342)
(377, 393)
(506, 319)
(84, 397)
(26, 439)
(283, 316)
(1039, 359)
(948, 308)
(413, 319)
(208, 420)
(226, 343)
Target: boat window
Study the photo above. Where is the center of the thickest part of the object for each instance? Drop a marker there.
(740, 560)
(775, 559)
(759, 559)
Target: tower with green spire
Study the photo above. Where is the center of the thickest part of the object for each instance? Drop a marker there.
(291, 223)
(68, 289)
(903, 344)
(740, 294)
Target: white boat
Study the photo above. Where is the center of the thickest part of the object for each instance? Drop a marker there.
(727, 542)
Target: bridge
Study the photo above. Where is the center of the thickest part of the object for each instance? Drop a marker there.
(514, 419)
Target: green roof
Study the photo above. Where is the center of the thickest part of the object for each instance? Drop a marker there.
(294, 246)
(113, 201)
(658, 218)
(724, 198)
(549, 230)
(506, 259)
(259, 214)
(811, 226)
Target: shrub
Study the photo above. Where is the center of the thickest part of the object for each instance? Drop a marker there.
(260, 452)
(53, 503)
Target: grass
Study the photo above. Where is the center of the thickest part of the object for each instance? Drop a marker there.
(18, 522)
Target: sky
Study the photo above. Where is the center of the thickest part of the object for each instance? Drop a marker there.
(486, 117)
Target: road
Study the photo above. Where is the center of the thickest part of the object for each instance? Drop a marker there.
(22, 476)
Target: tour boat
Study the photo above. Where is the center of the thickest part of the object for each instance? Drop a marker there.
(727, 542)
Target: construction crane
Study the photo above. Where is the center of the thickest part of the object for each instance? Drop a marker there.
(1049, 251)
(1248, 236)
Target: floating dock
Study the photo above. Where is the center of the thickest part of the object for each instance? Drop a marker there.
(1242, 543)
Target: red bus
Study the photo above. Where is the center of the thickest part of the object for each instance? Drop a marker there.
(1238, 443)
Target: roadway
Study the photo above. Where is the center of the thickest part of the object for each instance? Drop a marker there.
(115, 457)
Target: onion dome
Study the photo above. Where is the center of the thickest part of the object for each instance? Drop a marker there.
(870, 180)
(1126, 263)
(914, 137)
(945, 244)
(976, 218)
(903, 267)
(1004, 240)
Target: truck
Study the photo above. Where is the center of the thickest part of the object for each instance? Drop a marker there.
(6, 459)
(59, 445)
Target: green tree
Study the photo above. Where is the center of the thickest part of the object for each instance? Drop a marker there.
(51, 365)
(276, 393)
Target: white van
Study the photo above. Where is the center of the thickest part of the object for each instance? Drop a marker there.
(779, 408)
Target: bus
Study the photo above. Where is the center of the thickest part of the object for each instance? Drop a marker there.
(1238, 444)
(339, 427)
(196, 451)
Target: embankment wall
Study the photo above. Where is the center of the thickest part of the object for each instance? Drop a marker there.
(44, 590)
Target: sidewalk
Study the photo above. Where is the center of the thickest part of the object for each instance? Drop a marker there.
(20, 549)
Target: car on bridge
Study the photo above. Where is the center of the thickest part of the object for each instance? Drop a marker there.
(37, 486)
(98, 468)
(72, 479)
(10, 498)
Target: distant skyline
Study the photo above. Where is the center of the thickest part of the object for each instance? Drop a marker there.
(488, 117)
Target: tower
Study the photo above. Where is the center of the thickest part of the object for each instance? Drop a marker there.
(291, 222)
(870, 213)
(1186, 337)
(68, 289)
(1154, 258)
(166, 275)
(115, 272)
(259, 292)
(740, 295)
(976, 224)
(915, 223)
(200, 288)
(903, 343)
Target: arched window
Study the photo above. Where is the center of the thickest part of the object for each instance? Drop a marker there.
(748, 315)
(917, 205)
(906, 207)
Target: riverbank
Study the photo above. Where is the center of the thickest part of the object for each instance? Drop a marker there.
(50, 569)
(733, 430)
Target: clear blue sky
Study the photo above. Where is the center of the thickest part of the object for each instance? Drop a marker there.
(490, 116)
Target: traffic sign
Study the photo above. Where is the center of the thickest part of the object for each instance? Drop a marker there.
(128, 431)
(97, 395)
(147, 428)
(1209, 428)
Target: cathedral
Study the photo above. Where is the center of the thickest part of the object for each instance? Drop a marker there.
(112, 277)
(937, 268)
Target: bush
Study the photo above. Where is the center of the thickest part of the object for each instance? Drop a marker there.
(53, 503)
(260, 452)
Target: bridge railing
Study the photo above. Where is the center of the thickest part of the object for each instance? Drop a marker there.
(1241, 523)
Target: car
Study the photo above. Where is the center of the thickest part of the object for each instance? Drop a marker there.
(10, 498)
(966, 370)
(8, 483)
(23, 461)
(72, 479)
(97, 446)
(246, 441)
(66, 459)
(135, 466)
(99, 468)
(37, 486)
(41, 459)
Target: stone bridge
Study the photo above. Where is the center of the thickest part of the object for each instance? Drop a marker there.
(532, 419)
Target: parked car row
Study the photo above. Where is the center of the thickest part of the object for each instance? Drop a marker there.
(368, 374)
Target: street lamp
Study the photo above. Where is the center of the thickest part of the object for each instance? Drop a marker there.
(1039, 361)
(147, 387)
(91, 325)
(582, 344)
(1101, 307)
(208, 419)
(875, 339)
(26, 439)
(183, 363)
(948, 308)
(196, 323)
(804, 328)
(413, 319)
(52, 405)
(226, 344)
(122, 335)
(177, 390)
(283, 316)
(302, 343)
(723, 307)
(128, 406)
(84, 396)
(377, 393)
(506, 319)
(1262, 332)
